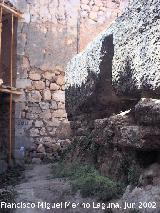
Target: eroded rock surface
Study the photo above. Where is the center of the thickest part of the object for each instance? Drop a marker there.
(144, 199)
(125, 149)
(112, 99)
(133, 43)
(147, 112)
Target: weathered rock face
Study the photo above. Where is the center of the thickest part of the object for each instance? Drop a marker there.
(112, 98)
(147, 198)
(121, 142)
(124, 148)
(121, 63)
(147, 112)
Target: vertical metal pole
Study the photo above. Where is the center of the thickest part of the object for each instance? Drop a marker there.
(1, 14)
(11, 96)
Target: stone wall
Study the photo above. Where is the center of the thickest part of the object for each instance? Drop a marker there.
(49, 35)
(45, 43)
(42, 118)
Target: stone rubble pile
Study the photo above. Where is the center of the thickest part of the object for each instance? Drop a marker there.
(48, 151)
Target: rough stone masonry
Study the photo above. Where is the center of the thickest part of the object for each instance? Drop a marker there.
(50, 33)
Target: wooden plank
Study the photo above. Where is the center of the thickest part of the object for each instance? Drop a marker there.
(1, 81)
(9, 91)
(11, 10)
(1, 14)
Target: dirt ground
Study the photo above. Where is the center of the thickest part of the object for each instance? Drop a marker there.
(39, 187)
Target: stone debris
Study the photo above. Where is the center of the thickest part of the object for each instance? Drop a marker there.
(36, 161)
(49, 150)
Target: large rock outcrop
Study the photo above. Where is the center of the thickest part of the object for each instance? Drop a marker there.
(112, 100)
(125, 149)
(119, 66)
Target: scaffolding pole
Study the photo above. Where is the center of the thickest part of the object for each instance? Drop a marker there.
(11, 96)
(1, 14)
(10, 10)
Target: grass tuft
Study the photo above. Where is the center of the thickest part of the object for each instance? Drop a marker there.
(87, 180)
